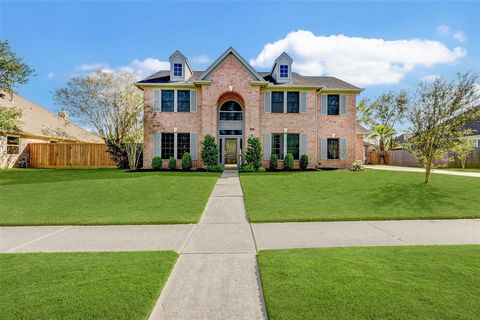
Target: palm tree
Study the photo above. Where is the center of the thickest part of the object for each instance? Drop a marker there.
(383, 133)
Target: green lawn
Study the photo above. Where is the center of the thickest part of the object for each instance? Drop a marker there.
(346, 195)
(423, 282)
(121, 285)
(102, 196)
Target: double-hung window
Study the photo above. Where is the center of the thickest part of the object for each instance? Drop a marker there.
(293, 145)
(333, 149)
(183, 101)
(333, 104)
(283, 71)
(168, 100)
(183, 144)
(168, 145)
(277, 144)
(277, 101)
(293, 102)
(177, 69)
(13, 144)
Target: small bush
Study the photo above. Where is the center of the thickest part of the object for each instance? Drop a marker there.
(303, 162)
(248, 168)
(209, 151)
(254, 152)
(186, 162)
(172, 163)
(358, 166)
(273, 162)
(156, 163)
(288, 162)
(215, 168)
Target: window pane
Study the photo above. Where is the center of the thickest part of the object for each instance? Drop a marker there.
(167, 100)
(230, 106)
(277, 145)
(183, 100)
(230, 132)
(13, 149)
(293, 145)
(333, 150)
(167, 145)
(177, 69)
(277, 101)
(231, 111)
(183, 144)
(283, 71)
(293, 102)
(333, 104)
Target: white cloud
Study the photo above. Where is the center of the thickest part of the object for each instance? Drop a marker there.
(142, 68)
(431, 77)
(201, 59)
(447, 31)
(50, 75)
(362, 61)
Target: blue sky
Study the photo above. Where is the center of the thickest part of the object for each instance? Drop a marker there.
(376, 45)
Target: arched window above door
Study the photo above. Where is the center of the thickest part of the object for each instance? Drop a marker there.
(231, 111)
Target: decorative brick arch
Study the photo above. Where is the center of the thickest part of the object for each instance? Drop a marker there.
(230, 96)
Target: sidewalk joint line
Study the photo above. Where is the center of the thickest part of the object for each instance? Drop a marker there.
(40, 238)
(389, 233)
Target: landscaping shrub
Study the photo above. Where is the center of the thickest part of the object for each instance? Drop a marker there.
(248, 168)
(273, 162)
(172, 163)
(186, 162)
(156, 163)
(215, 168)
(209, 151)
(358, 166)
(254, 153)
(288, 162)
(303, 162)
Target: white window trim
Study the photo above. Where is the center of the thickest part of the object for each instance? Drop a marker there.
(12, 145)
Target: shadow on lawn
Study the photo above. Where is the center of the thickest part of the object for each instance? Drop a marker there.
(417, 197)
(33, 176)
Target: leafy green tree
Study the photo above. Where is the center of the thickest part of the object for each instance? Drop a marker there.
(382, 133)
(462, 149)
(253, 155)
(10, 120)
(108, 102)
(209, 151)
(13, 70)
(438, 115)
(387, 110)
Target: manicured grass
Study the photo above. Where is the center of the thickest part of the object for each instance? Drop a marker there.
(368, 195)
(121, 285)
(102, 196)
(424, 282)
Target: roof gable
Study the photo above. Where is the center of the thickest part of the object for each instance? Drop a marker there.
(230, 51)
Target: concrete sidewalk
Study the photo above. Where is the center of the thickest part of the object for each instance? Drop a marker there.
(366, 233)
(422, 170)
(216, 275)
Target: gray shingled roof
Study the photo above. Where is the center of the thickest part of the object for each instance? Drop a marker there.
(474, 126)
(163, 76)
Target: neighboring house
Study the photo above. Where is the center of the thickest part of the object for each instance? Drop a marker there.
(474, 126)
(288, 112)
(38, 125)
(401, 138)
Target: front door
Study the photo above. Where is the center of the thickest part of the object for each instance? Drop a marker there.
(230, 151)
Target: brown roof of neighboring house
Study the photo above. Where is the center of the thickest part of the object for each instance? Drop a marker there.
(40, 122)
(359, 129)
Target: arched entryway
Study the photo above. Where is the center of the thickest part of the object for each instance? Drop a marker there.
(230, 131)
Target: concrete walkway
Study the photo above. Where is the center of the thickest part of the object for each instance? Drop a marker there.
(216, 275)
(422, 170)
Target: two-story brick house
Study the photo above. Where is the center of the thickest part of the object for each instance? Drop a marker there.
(290, 113)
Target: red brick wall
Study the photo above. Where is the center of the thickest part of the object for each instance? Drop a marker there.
(256, 122)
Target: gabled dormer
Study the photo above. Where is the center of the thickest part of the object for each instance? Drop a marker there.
(282, 69)
(180, 69)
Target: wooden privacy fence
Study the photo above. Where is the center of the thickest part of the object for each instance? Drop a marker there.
(57, 155)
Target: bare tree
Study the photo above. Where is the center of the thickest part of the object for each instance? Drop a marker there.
(108, 102)
(438, 115)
